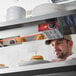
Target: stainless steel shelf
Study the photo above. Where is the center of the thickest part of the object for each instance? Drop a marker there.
(37, 19)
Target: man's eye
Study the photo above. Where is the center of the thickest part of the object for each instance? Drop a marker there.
(60, 42)
(52, 45)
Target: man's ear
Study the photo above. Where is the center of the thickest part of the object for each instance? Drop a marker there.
(71, 43)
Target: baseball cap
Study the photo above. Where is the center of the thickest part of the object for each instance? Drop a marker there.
(67, 37)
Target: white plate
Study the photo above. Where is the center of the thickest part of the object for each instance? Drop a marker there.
(33, 62)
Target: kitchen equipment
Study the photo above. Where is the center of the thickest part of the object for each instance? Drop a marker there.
(9, 42)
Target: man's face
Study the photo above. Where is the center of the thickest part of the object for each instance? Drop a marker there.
(61, 48)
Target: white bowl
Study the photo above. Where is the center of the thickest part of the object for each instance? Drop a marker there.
(47, 8)
(15, 12)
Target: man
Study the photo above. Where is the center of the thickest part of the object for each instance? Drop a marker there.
(62, 48)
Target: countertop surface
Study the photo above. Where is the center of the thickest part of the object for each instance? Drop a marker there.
(38, 66)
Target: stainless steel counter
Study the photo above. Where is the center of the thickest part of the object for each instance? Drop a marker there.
(46, 69)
